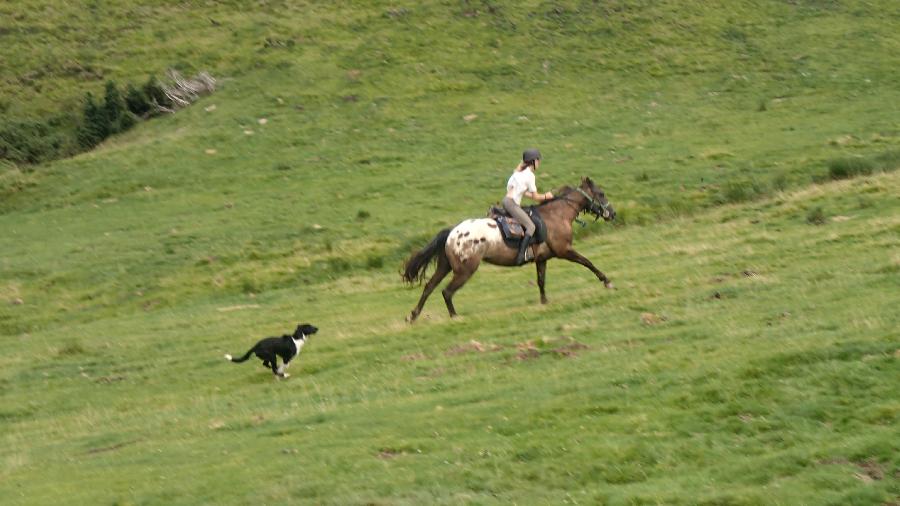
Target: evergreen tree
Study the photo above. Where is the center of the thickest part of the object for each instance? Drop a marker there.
(114, 108)
(136, 101)
(155, 94)
(94, 126)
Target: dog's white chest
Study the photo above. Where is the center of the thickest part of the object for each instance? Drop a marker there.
(298, 344)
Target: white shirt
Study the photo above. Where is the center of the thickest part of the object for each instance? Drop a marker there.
(520, 182)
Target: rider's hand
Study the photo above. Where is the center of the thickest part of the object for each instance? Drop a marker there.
(548, 196)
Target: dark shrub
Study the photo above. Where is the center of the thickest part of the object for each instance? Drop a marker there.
(739, 191)
(889, 160)
(136, 101)
(844, 168)
(114, 109)
(94, 126)
(29, 142)
(338, 265)
(155, 94)
(816, 216)
(374, 262)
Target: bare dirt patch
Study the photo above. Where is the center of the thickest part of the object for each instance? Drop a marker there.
(651, 319)
(564, 346)
(472, 346)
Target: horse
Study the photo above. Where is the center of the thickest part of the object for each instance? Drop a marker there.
(462, 248)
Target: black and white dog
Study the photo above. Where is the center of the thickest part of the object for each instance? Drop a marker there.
(287, 347)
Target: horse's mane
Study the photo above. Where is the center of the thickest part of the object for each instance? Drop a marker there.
(558, 194)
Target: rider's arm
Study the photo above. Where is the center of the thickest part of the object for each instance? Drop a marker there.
(539, 197)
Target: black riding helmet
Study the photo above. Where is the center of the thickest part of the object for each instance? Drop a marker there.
(531, 155)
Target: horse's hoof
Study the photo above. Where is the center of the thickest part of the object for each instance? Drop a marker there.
(609, 285)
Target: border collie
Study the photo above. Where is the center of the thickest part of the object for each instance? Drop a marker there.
(287, 347)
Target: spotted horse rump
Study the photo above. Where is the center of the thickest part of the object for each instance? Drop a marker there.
(473, 238)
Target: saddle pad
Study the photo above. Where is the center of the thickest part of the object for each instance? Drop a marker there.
(512, 231)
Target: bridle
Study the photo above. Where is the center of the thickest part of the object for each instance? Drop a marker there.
(591, 206)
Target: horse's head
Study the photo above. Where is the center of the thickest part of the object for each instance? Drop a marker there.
(598, 205)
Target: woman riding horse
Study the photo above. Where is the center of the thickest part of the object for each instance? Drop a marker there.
(462, 248)
(520, 184)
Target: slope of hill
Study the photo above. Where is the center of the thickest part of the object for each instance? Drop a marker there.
(748, 356)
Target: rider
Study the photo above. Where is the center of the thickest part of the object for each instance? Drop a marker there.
(522, 183)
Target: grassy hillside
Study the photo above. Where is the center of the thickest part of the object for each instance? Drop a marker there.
(748, 356)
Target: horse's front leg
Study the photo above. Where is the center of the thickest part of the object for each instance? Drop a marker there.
(541, 273)
(573, 256)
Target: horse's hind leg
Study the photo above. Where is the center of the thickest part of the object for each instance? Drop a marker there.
(460, 277)
(541, 276)
(443, 268)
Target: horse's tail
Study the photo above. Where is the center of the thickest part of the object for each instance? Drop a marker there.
(414, 268)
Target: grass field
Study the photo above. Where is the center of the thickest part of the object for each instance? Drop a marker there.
(749, 354)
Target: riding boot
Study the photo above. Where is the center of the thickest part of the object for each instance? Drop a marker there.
(523, 247)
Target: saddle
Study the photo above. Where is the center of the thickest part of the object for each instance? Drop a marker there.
(512, 231)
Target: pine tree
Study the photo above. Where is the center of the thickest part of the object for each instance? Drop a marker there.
(136, 101)
(114, 108)
(94, 127)
(155, 94)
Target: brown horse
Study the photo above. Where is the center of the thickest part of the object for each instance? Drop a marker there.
(463, 247)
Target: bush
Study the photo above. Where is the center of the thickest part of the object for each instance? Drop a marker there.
(136, 101)
(780, 182)
(739, 191)
(155, 94)
(338, 265)
(845, 168)
(30, 142)
(117, 116)
(889, 160)
(374, 262)
(94, 127)
(816, 216)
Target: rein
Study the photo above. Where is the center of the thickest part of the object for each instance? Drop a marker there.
(591, 202)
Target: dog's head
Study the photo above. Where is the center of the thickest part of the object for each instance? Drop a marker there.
(304, 329)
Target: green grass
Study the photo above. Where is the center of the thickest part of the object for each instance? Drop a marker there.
(747, 356)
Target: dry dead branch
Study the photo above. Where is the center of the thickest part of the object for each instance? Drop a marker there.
(182, 92)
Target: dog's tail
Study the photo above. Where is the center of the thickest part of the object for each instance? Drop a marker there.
(239, 359)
